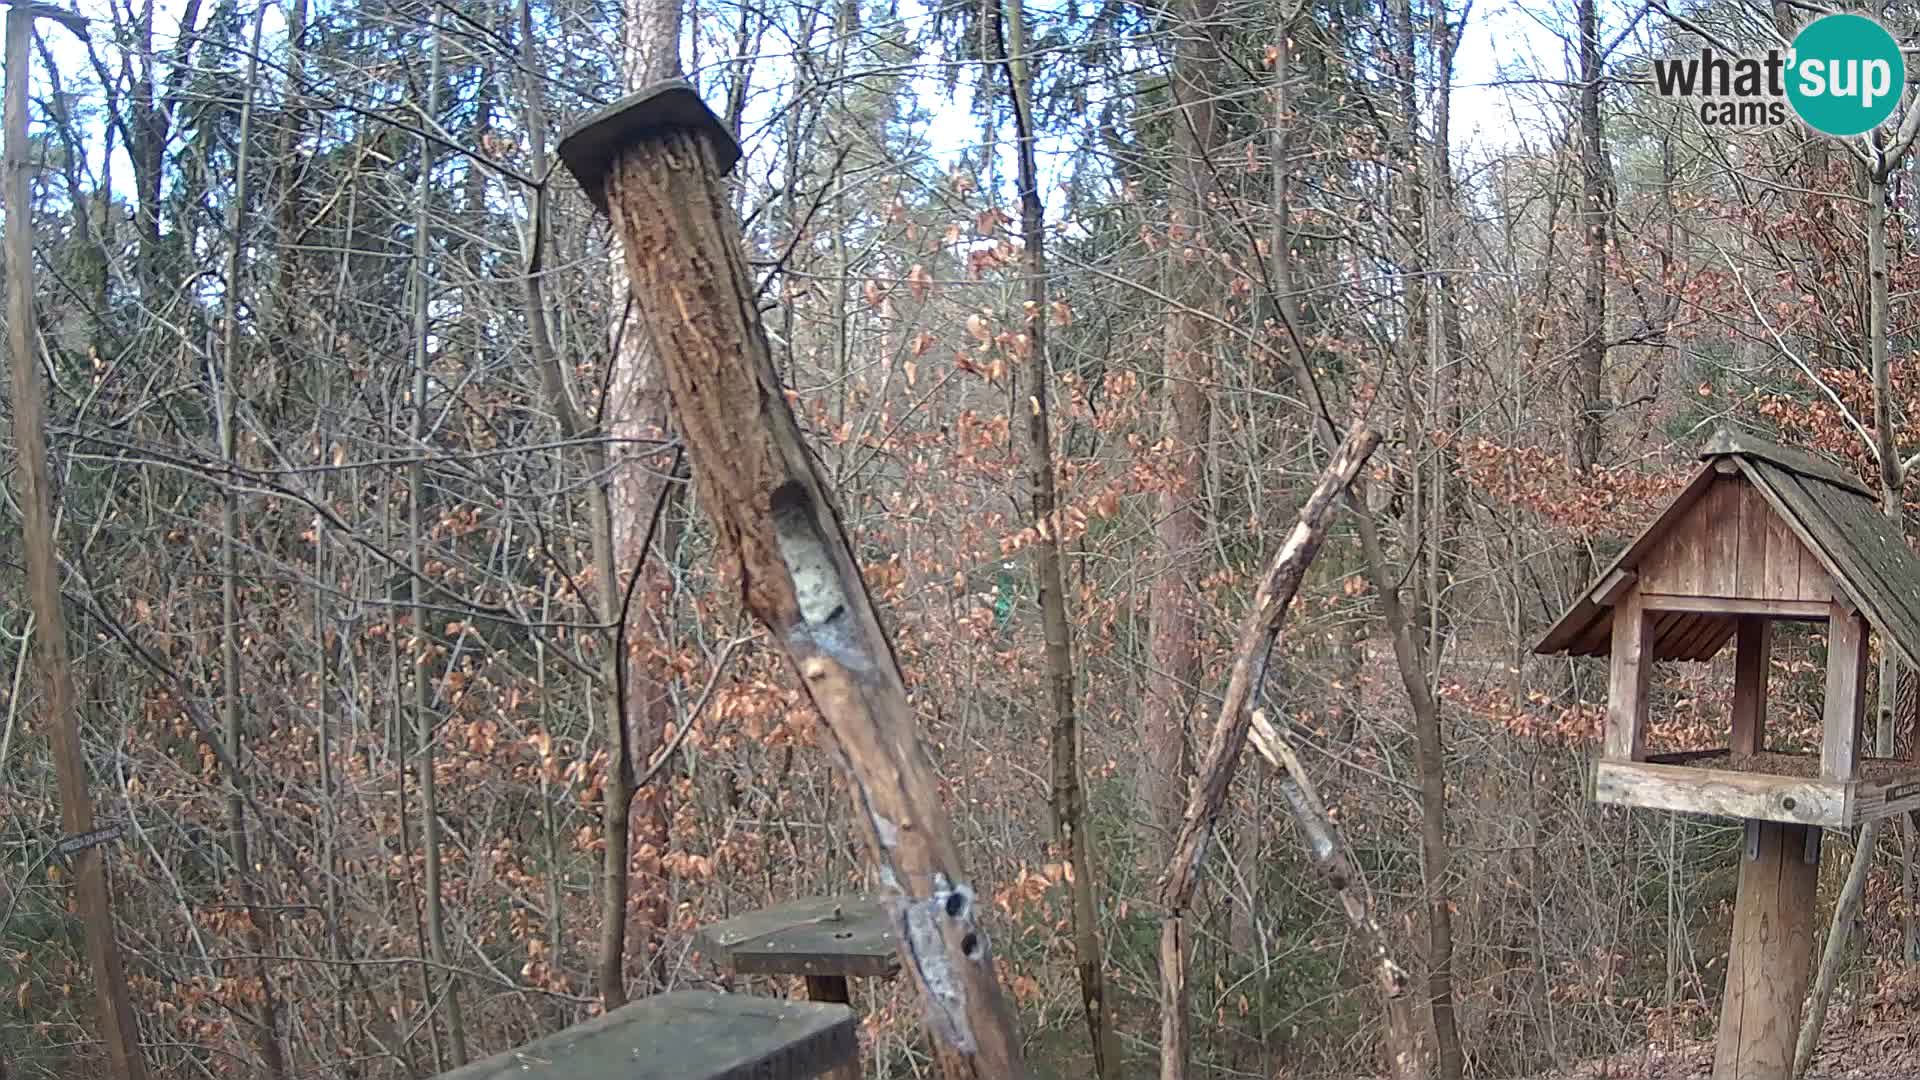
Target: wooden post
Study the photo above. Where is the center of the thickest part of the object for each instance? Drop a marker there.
(117, 1026)
(1771, 955)
(1753, 640)
(1629, 672)
(654, 162)
(833, 989)
(1846, 693)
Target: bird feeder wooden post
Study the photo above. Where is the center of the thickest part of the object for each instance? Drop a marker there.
(654, 163)
(1761, 534)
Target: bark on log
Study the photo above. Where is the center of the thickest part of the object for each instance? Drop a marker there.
(1256, 638)
(780, 536)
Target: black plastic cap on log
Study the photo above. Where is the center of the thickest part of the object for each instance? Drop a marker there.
(589, 148)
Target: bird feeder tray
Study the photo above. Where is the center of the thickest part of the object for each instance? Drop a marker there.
(818, 936)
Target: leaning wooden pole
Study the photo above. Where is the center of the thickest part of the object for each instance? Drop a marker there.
(1259, 629)
(654, 163)
(117, 1027)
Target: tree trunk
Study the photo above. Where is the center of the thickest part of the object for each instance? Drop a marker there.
(638, 707)
(118, 1029)
(1591, 353)
(425, 727)
(1436, 853)
(1069, 795)
(1892, 481)
(1173, 663)
(259, 930)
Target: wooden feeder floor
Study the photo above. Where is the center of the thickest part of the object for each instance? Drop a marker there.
(1802, 766)
(1770, 786)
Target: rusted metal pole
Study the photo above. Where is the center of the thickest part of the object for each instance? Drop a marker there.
(654, 163)
(117, 1026)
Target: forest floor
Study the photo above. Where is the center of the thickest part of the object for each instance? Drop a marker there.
(1878, 1044)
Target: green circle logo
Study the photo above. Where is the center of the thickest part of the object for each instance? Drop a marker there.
(1847, 74)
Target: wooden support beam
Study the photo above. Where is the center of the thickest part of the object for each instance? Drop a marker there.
(1771, 955)
(833, 990)
(1609, 590)
(1627, 688)
(1846, 693)
(1752, 641)
(1798, 610)
(655, 160)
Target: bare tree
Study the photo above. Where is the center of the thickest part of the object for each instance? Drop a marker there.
(1069, 796)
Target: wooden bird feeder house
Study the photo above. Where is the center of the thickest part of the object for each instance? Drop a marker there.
(1761, 534)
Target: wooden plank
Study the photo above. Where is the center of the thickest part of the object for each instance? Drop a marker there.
(1753, 642)
(686, 1035)
(1706, 638)
(821, 935)
(1611, 586)
(1802, 610)
(1628, 682)
(1781, 574)
(1720, 538)
(1595, 639)
(1815, 583)
(1674, 566)
(1770, 957)
(1750, 566)
(1846, 694)
(1721, 633)
(1803, 518)
(1663, 625)
(597, 141)
(1721, 793)
(1666, 638)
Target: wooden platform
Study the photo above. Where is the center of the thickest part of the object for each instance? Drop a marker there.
(686, 1035)
(818, 936)
(1688, 783)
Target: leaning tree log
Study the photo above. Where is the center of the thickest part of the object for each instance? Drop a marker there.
(1259, 630)
(654, 162)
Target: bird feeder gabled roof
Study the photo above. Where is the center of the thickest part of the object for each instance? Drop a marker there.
(1834, 515)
